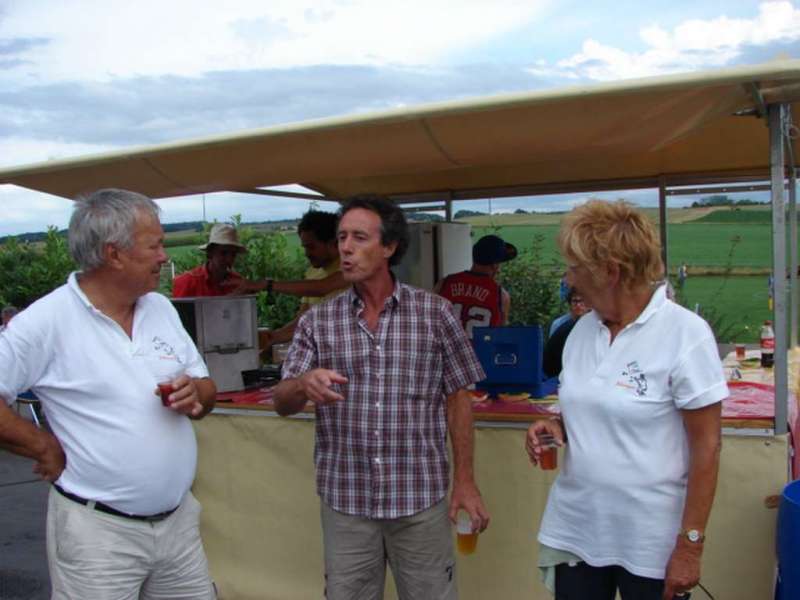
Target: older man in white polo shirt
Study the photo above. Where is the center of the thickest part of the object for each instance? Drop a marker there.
(121, 520)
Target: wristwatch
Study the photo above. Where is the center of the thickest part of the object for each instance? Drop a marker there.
(695, 536)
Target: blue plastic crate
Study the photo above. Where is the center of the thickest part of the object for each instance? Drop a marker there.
(512, 360)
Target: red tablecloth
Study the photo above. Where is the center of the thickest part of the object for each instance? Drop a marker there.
(748, 400)
(256, 396)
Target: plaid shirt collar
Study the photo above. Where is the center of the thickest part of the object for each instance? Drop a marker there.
(356, 301)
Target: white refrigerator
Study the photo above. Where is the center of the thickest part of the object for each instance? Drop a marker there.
(435, 250)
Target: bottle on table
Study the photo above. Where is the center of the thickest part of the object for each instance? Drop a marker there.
(767, 345)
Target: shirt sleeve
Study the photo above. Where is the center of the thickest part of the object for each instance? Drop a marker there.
(25, 353)
(461, 367)
(699, 380)
(302, 355)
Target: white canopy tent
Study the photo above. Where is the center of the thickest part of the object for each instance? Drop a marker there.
(722, 126)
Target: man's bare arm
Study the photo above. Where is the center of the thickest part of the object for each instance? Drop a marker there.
(465, 494)
(22, 437)
(291, 395)
(300, 287)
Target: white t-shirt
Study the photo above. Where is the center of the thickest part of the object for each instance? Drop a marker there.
(97, 386)
(619, 497)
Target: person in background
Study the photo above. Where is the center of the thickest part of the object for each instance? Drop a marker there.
(577, 308)
(563, 289)
(216, 276)
(323, 278)
(8, 313)
(683, 273)
(554, 347)
(478, 299)
(640, 396)
(387, 367)
(121, 519)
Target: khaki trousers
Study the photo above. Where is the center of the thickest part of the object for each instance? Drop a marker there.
(95, 556)
(419, 550)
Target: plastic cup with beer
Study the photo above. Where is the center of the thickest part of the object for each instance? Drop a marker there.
(548, 459)
(166, 385)
(466, 538)
(741, 352)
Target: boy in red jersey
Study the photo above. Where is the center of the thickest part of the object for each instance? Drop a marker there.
(477, 297)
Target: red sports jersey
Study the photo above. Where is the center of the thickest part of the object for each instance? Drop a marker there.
(476, 298)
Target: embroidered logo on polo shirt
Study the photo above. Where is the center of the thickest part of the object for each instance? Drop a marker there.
(636, 380)
(164, 349)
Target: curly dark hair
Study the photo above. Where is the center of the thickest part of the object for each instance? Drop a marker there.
(321, 224)
(394, 227)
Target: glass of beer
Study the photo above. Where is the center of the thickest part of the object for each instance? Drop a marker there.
(548, 459)
(166, 386)
(741, 351)
(467, 539)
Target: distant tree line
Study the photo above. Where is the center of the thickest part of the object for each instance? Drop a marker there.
(425, 217)
(462, 214)
(724, 200)
(184, 226)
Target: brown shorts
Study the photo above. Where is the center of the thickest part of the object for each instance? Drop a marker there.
(419, 550)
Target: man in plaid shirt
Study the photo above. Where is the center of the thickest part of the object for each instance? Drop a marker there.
(387, 366)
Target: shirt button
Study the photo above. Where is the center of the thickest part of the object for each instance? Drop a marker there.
(377, 461)
(377, 433)
(378, 348)
(377, 405)
(378, 375)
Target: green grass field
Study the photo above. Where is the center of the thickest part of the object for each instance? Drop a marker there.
(699, 245)
(741, 301)
(175, 251)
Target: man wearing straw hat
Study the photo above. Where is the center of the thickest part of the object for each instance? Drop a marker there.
(216, 276)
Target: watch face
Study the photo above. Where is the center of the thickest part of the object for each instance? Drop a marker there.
(693, 535)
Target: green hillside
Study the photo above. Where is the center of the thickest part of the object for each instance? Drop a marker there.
(748, 215)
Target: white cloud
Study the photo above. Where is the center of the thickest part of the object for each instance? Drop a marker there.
(19, 151)
(25, 211)
(691, 45)
(100, 39)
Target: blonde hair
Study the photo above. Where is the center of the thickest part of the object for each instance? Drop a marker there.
(600, 233)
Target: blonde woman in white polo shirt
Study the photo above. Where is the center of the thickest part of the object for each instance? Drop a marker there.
(640, 394)
(121, 521)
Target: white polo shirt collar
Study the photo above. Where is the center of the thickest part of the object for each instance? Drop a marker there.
(657, 301)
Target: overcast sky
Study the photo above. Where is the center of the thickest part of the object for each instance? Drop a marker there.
(85, 76)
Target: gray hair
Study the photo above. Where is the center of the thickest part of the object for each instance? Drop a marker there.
(105, 217)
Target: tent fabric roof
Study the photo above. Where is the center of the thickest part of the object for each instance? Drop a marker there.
(675, 126)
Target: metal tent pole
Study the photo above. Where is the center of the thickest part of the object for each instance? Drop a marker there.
(794, 295)
(448, 208)
(662, 217)
(776, 157)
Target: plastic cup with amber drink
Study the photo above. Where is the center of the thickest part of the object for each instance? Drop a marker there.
(166, 387)
(741, 351)
(548, 459)
(466, 538)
